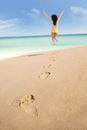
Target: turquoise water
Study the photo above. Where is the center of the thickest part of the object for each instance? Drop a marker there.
(16, 46)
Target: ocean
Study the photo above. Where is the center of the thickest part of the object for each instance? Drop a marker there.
(17, 46)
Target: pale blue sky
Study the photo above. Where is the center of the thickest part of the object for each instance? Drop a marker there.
(25, 17)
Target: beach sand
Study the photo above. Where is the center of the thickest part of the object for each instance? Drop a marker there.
(44, 91)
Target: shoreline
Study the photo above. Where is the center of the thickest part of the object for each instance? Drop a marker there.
(40, 51)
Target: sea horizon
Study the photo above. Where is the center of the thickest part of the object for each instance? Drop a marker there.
(42, 35)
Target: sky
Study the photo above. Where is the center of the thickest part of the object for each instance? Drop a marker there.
(25, 17)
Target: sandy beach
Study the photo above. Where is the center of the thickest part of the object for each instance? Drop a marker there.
(44, 91)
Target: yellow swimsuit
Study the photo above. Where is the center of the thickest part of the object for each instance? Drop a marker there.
(55, 31)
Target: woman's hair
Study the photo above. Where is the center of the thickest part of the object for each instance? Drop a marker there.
(54, 19)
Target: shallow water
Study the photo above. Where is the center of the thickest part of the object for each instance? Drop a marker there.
(16, 46)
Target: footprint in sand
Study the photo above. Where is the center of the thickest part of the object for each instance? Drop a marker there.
(47, 66)
(52, 58)
(44, 75)
(27, 104)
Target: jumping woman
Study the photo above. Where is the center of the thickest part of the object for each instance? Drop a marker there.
(54, 20)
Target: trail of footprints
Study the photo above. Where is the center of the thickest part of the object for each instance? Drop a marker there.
(27, 102)
(45, 74)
